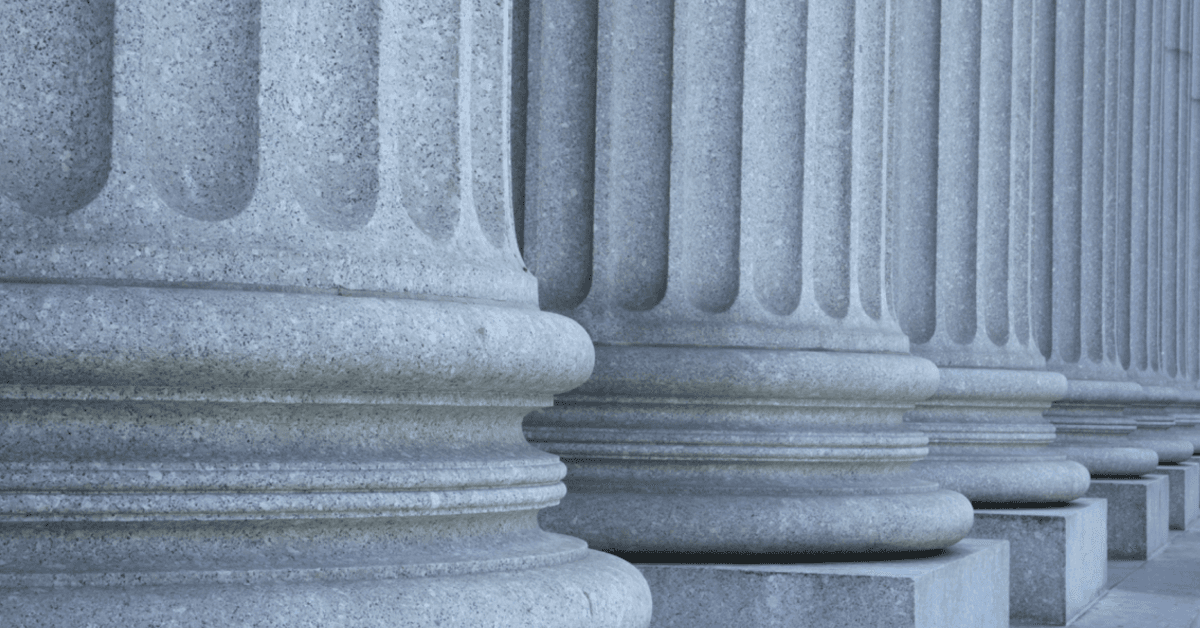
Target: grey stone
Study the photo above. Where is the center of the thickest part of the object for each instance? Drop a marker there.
(269, 321)
(1186, 412)
(1155, 422)
(1138, 514)
(749, 389)
(965, 585)
(593, 590)
(55, 77)
(1092, 429)
(962, 237)
(267, 336)
(1091, 422)
(1185, 493)
(1058, 557)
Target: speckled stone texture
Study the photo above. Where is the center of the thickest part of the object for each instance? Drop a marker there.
(1084, 322)
(1186, 412)
(965, 585)
(1138, 514)
(1161, 354)
(1058, 557)
(1184, 494)
(964, 246)
(1152, 411)
(710, 209)
(267, 336)
(1092, 428)
(1118, 260)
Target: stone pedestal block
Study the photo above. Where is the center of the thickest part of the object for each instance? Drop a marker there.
(1058, 557)
(1184, 494)
(1138, 514)
(1092, 428)
(965, 585)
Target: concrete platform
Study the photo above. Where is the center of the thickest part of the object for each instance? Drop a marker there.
(1185, 493)
(1058, 557)
(965, 585)
(1138, 514)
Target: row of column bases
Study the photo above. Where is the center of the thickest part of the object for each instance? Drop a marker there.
(843, 312)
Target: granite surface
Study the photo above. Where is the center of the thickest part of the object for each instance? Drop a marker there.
(965, 251)
(268, 337)
(722, 236)
(1058, 557)
(1138, 514)
(1185, 493)
(964, 585)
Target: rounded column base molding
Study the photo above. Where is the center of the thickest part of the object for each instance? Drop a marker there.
(1049, 478)
(592, 590)
(1100, 393)
(201, 344)
(663, 520)
(1109, 459)
(866, 384)
(702, 449)
(1093, 429)
(1151, 411)
(1188, 428)
(1187, 415)
(205, 456)
(989, 441)
(1164, 443)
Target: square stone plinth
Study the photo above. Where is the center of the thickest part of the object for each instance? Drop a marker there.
(965, 585)
(1058, 557)
(1185, 493)
(1138, 514)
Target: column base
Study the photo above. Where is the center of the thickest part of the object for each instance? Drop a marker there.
(964, 585)
(1109, 459)
(1138, 514)
(1184, 493)
(1058, 557)
(597, 591)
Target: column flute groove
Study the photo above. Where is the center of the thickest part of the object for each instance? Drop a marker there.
(270, 367)
(768, 419)
(1186, 411)
(1190, 211)
(1152, 409)
(988, 439)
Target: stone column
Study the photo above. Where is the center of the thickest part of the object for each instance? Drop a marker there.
(1154, 162)
(1184, 475)
(721, 237)
(1188, 412)
(268, 336)
(967, 225)
(1090, 216)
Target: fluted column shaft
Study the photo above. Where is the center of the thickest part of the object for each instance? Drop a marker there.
(1153, 250)
(1186, 412)
(1094, 63)
(966, 224)
(268, 337)
(726, 253)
